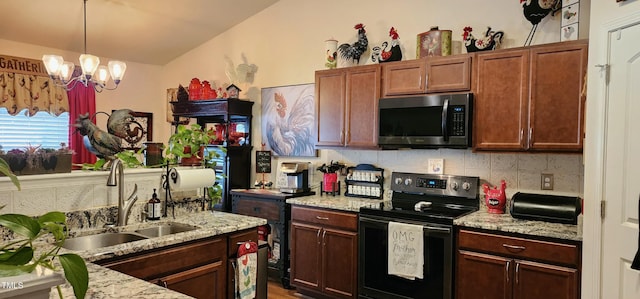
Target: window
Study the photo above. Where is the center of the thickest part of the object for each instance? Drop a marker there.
(20, 131)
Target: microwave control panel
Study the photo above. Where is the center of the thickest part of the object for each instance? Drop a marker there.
(457, 122)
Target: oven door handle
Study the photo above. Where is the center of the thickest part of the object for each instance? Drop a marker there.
(426, 227)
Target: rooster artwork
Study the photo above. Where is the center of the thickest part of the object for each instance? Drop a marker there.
(106, 144)
(288, 118)
(353, 52)
(536, 10)
(380, 54)
(489, 41)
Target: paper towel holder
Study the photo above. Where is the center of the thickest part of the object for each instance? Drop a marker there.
(171, 174)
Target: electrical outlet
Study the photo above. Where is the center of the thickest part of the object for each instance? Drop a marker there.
(546, 181)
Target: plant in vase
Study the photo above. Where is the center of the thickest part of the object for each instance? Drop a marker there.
(187, 144)
(214, 192)
(37, 160)
(22, 255)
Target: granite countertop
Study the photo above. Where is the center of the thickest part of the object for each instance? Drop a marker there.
(106, 283)
(338, 202)
(505, 223)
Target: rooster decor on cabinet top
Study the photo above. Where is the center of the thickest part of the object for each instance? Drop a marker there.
(107, 144)
(536, 10)
(353, 52)
(490, 41)
(382, 54)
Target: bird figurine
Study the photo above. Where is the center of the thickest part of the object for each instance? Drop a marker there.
(536, 10)
(490, 41)
(358, 48)
(105, 144)
(380, 54)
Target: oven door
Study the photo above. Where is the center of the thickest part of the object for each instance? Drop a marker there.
(373, 278)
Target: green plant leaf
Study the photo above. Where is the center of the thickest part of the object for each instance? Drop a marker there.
(6, 170)
(21, 225)
(17, 257)
(13, 270)
(75, 271)
(54, 217)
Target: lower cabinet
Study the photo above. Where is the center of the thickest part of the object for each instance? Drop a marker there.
(324, 252)
(196, 268)
(495, 266)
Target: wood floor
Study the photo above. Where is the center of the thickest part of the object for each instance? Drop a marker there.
(276, 291)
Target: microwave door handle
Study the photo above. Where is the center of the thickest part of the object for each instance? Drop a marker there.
(445, 112)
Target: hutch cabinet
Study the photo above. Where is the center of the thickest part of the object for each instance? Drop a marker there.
(232, 120)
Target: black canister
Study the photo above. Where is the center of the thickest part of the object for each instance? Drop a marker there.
(543, 207)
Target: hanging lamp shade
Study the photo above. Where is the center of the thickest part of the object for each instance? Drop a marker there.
(117, 69)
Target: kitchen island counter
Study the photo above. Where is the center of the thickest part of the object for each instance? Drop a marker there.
(106, 283)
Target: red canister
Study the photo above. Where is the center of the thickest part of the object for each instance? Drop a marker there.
(495, 198)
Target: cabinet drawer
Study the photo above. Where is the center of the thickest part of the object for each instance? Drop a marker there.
(250, 235)
(263, 209)
(557, 253)
(159, 263)
(343, 220)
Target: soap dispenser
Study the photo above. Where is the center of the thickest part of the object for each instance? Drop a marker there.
(153, 207)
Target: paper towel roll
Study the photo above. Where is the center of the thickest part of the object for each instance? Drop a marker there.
(194, 178)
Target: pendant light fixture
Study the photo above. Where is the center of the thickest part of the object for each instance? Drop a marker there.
(61, 71)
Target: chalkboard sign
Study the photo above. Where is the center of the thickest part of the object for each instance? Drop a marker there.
(263, 161)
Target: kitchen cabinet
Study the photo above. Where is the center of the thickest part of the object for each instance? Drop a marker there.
(272, 206)
(495, 266)
(427, 75)
(197, 268)
(230, 119)
(531, 99)
(347, 106)
(324, 252)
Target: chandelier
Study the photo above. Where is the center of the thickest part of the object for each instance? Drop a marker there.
(92, 72)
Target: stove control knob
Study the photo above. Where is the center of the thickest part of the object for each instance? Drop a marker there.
(466, 186)
(408, 182)
(398, 181)
(454, 186)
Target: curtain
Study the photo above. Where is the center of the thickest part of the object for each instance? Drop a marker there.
(35, 93)
(82, 100)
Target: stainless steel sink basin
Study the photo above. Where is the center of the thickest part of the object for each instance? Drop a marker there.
(165, 229)
(100, 240)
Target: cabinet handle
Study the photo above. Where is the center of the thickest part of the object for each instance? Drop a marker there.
(521, 135)
(324, 232)
(517, 268)
(506, 270)
(164, 283)
(530, 136)
(318, 236)
(322, 218)
(514, 248)
(342, 136)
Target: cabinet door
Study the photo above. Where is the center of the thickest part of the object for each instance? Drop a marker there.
(202, 282)
(483, 276)
(449, 73)
(536, 280)
(339, 263)
(305, 255)
(363, 93)
(557, 100)
(404, 77)
(330, 105)
(501, 100)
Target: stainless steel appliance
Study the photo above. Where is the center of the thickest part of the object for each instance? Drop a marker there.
(297, 177)
(432, 201)
(430, 121)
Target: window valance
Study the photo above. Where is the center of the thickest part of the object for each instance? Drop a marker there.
(24, 84)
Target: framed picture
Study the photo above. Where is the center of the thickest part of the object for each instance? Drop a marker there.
(288, 120)
(172, 96)
(139, 132)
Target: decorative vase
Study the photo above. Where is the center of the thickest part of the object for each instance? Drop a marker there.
(331, 53)
(36, 285)
(153, 154)
(329, 182)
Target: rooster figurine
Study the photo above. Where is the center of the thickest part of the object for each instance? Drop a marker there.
(490, 41)
(356, 50)
(105, 144)
(382, 55)
(536, 10)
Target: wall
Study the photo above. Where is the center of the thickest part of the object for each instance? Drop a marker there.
(290, 47)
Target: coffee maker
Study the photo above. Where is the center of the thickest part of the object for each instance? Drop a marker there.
(297, 177)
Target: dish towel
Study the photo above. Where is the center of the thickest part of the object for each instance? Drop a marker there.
(247, 263)
(406, 250)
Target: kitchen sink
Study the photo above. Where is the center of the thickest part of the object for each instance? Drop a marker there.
(165, 229)
(100, 240)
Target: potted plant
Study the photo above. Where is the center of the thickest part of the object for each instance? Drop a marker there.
(187, 144)
(21, 256)
(38, 160)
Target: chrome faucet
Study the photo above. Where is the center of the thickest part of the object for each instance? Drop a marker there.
(124, 207)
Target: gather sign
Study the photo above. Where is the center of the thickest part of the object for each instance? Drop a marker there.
(22, 65)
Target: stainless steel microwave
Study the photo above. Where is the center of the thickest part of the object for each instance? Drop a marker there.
(429, 121)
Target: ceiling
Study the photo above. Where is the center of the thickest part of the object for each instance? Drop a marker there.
(145, 31)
